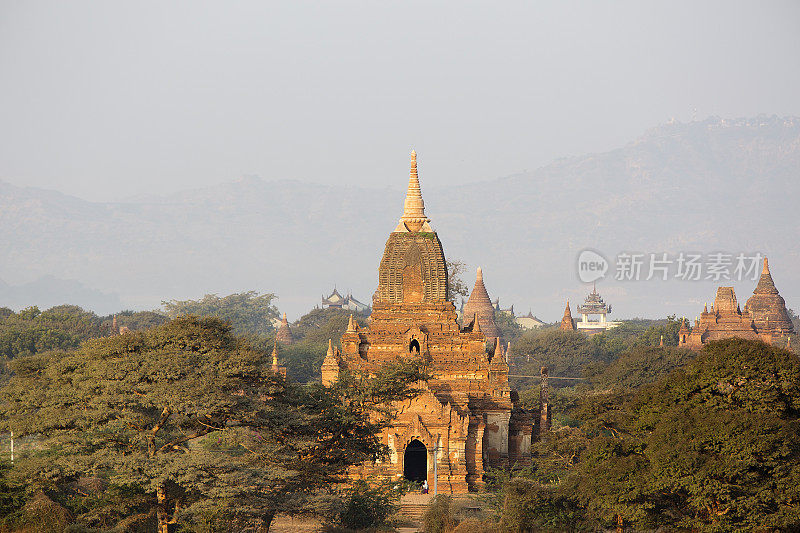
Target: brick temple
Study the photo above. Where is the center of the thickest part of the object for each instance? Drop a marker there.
(479, 307)
(764, 318)
(466, 418)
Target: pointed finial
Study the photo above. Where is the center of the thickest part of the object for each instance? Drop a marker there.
(498, 348)
(330, 348)
(480, 274)
(705, 308)
(351, 324)
(477, 324)
(413, 218)
(661, 342)
(788, 342)
(275, 353)
(765, 270)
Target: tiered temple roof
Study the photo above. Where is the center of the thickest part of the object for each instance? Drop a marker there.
(338, 301)
(594, 304)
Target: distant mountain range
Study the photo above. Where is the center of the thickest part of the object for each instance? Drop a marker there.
(716, 185)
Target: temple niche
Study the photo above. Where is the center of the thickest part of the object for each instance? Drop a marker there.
(466, 418)
(764, 317)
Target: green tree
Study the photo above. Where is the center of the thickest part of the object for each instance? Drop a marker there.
(639, 366)
(11, 495)
(509, 329)
(370, 506)
(250, 313)
(457, 289)
(319, 325)
(714, 446)
(564, 353)
(137, 319)
(31, 330)
(191, 418)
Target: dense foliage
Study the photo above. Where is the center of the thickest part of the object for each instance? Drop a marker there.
(712, 445)
(185, 423)
(250, 313)
(63, 327)
(369, 506)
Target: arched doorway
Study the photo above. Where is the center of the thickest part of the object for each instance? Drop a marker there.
(415, 462)
(413, 347)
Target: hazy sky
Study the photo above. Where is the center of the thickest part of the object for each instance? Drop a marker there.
(109, 99)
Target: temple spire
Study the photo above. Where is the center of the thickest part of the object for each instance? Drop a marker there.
(765, 284)
(413, 218)
(567, 324)
(275, 355)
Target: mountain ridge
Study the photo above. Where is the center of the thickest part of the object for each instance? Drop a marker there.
(716, 184)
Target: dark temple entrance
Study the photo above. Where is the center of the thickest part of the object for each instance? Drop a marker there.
(415, 461)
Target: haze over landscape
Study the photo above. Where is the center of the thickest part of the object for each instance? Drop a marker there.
(196, 149)
(184, 185)
(710, 186)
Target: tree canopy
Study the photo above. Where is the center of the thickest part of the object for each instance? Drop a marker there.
(186, 421)
(250, 313)
(714, 445)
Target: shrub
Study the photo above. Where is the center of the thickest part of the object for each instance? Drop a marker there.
(369, 506)
(439, 516)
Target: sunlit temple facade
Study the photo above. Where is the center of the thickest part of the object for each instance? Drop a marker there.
(466, 418)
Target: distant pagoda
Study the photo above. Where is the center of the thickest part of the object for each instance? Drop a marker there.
(349, 303)
(594, 305)
(481, 306)
(284, 334)
(768, 307)
(764, 317)
(567, 323)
